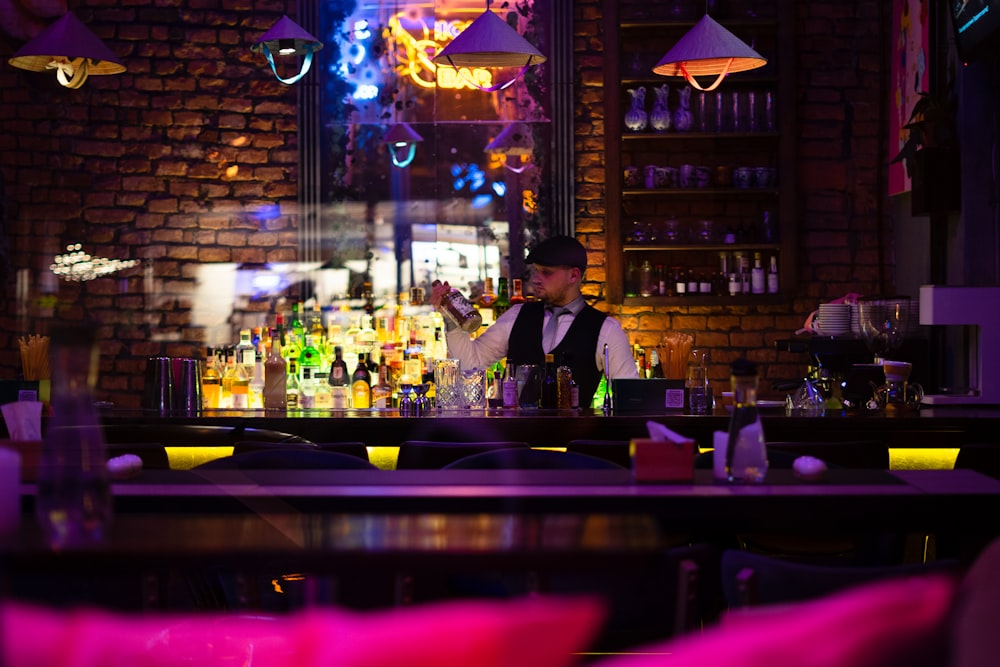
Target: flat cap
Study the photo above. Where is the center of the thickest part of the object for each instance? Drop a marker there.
(559, 251)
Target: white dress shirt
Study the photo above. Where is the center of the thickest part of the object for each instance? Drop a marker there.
(491, 345)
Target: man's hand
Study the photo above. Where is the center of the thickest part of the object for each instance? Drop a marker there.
(438, 292)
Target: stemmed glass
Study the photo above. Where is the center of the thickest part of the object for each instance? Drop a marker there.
(884, 322)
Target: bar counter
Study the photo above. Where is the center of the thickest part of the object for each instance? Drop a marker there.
(936, 427)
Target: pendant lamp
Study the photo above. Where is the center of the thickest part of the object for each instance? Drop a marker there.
(489, 41)
(514, 140)
(287, 38)
(401, 137)
(708, 49)
(71, 49)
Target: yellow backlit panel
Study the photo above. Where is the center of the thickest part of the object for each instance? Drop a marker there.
(185, 458)
(923, 458)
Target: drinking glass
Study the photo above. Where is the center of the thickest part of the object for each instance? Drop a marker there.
(448, 384)
(696, 381)
(529, 386)
(474, 389)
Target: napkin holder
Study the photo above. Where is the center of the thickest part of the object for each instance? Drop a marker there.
(662, 460)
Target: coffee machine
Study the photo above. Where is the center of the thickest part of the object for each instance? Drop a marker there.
(979, 309)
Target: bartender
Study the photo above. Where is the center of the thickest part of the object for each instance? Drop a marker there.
(559, 322)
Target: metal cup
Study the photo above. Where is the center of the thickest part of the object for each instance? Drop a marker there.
(158, 390)
(187, 386)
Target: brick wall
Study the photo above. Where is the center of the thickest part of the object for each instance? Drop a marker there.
(844, 236)
(181, 159)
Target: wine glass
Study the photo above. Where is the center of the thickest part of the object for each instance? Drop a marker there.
(884, 322)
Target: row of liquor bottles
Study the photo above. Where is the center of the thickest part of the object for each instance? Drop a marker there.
(735, 277)
(273, 384)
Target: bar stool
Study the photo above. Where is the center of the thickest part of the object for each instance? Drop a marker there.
(436, 454)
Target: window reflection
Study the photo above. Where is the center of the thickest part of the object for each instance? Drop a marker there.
(443, 205)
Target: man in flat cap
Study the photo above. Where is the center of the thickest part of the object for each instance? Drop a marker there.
(559, 322)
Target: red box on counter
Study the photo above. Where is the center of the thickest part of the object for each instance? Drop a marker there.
(662, 460)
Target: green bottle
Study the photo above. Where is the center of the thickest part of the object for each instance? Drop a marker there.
(502, 303)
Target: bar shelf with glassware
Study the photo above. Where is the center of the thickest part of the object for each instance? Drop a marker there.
(691, 171)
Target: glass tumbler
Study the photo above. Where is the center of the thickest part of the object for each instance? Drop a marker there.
(448, 384)
(474, 389)
(529, 385)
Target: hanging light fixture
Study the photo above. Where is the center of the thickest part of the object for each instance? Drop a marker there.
(489, 41)
(75, 265)
(287, 38)
(514, 140)
(71, 49)
(402, 138)
(708, 49)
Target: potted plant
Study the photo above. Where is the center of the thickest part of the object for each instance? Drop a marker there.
(930, 155)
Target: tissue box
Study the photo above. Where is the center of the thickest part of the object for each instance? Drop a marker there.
(662, 460)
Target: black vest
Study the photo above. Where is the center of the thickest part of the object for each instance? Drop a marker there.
(580, 341)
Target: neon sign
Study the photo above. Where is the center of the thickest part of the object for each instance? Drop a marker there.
(415, 52)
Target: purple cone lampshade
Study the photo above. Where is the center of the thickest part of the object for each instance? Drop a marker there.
(401, 136)
(489, 42)
(287, 38)
(70, 48)
(708, 49)
(401, 133)
(515, 139)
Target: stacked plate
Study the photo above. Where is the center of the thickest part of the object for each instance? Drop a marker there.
(834, 318)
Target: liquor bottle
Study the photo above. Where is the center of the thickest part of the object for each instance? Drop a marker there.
(734, 284)
(275, 378)
(720, 281)
(322, 393)
(564, 385)
(692, 283)
(494, 385)
(655, 366)
(744, 269)
(292, 384)
(240, 387)
(487, 300)
(382, 391)
(631, 280)
(316, 323)
(661, 281)
(307, 389)
(772, 276)
(646, 283)
(550, 385)
(298, 328)
(680, 282)
(228, 374)
(457, 310)
(705, 284)
(746, 452)
(758, 284)
(73, 504)
(509, 386)
(211, 382)
(340, 376)
(309, 357)
(257, 383)
(367, 338)
(361, 384)
(516, 292)
(245, 350)
(503, 298)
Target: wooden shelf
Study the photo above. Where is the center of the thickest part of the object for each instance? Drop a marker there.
(706, 300)
(632, 45)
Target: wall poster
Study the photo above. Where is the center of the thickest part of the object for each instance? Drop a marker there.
(910, 76)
